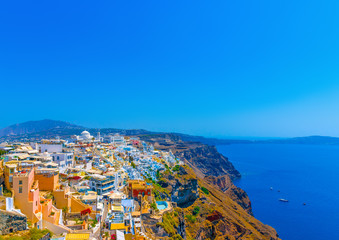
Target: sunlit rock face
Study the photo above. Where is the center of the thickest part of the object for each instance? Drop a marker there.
(184, 194)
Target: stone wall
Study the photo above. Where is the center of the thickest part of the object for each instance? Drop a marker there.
(12, 222)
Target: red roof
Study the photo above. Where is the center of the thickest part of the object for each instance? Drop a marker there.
(75, 177)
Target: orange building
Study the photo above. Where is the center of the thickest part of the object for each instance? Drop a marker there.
(138, 189)
(48, 179)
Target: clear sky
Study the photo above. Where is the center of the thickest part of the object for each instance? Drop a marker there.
(214, 68)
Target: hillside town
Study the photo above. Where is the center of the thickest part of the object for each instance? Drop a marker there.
(83, 187)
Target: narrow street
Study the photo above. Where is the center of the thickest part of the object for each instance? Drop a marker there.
(96, 234)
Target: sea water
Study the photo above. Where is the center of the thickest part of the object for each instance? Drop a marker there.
(299, 173)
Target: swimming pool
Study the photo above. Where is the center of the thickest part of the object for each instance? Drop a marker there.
(162, 205)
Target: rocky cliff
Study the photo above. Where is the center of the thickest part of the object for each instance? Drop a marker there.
(205, 159)
(212, 206)
(209, 208)
(185, 193)
(208, 161)
(225, 184)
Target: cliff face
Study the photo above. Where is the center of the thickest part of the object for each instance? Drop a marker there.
(210, 208)
(182, 226)
(204, 159)
(224, 184)
(219, 210)
(184, 194)
(209, 161)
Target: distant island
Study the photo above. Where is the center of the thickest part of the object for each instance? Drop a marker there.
(46, 128)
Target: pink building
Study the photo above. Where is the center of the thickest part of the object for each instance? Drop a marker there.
(26, 196)
(39, 211)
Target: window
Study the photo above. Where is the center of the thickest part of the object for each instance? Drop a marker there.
(20, 189)
(20, 182)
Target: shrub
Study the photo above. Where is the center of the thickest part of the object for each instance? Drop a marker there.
(29, 223)
(176, 237)
(170, 224)
(94, 222)
(2, 152)
(196, 210)
(36, 234)
(176, 168)
(16, 238)
(6, 192)
(158, 174)
(205, 190)
(191, 218)
(154, 206)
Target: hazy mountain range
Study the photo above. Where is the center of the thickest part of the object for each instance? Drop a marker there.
(51, 128)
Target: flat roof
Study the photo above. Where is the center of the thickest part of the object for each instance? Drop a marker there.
(117, 226)
(77, 236)
(117, 208)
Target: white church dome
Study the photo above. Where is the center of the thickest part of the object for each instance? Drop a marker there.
(85, 135)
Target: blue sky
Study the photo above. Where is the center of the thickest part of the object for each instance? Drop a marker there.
(221, 68)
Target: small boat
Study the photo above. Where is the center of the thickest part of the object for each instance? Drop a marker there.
(283, 200)
(271, 188)
(304, 204)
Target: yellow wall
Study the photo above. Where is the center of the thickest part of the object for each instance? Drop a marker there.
(61, 199)
(78, 206)
(73, 204)
(7, 173)
(47, 182)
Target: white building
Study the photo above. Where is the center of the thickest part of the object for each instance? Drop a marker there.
(85, 136)
(117, 140)
(64, 159)
(51, 147)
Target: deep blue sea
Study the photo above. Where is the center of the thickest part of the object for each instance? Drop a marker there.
(303, 174)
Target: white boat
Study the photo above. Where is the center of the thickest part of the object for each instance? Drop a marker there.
(283, 200)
